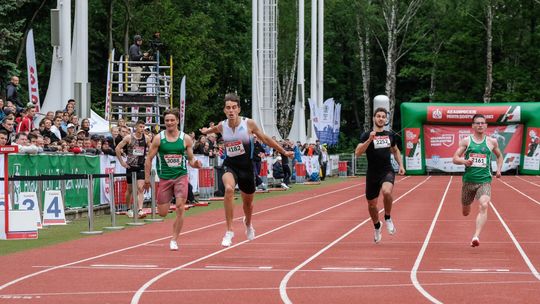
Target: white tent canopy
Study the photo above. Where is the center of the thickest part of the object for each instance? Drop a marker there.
(98, 125)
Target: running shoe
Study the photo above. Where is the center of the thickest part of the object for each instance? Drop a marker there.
(475, 242)
(378, 234)
(227, 239)
(250, 231)
(173, 245)
(284, 186)
(129, 213)
(390, 226)
(141, 214)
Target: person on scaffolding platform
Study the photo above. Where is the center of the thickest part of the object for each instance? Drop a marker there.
(174, 149)
(135, 54)
(238, 134)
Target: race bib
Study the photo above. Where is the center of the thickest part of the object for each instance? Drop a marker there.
(173, 160)
(138, 151)
(234, 148)
(478, 160)
(380, 142)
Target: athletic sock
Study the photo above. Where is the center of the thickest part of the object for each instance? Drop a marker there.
(386, 217)
(378, 225)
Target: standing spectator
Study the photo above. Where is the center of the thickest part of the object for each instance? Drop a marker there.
(323, 161)
(135, 54)
(65, 121)
(85, 126)
(258, 153)
(3, 137)
(8, 125)
(75, 121)
(70, 130)
(27, 122)
(70, 107)
(56, 128)
(46, 132)
(50, 115)
(2, 114)
(12, 94)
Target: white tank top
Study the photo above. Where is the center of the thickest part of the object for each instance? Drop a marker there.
(238, 142)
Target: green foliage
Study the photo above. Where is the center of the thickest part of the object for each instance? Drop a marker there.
(210, 43)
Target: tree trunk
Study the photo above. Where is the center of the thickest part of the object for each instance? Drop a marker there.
(489, 53)
(27, 27)
(110, 25)
(286, 95)
(391, 59)
(365, 67)
(433, 74)
(126, 28)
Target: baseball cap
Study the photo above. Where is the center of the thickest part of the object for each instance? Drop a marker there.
(71, 125)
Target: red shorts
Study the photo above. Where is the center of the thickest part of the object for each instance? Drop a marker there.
(172, 188)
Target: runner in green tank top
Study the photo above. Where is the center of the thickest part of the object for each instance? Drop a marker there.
(173, 147)
(475, 153)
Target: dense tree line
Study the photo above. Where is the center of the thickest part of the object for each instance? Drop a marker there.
(411, 50)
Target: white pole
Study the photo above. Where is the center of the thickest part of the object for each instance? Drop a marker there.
(80, 55)
(320, 54)
(65, 50)
(313, 92)
(254, 62)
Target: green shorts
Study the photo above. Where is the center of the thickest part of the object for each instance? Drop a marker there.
(472, 191)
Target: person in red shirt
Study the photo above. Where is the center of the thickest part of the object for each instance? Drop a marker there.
(27, 122)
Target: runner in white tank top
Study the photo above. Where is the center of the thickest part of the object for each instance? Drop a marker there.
(238, 133)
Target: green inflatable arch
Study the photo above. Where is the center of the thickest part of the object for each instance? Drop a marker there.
(415, 115)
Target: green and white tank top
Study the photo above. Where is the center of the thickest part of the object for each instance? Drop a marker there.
(172, 162)
(480, 170)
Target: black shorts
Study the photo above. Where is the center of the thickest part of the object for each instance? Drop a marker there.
(374, 183)
(138, 170)
(244, 178)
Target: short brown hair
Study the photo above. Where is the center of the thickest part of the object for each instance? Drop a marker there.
(232, 97)
(172, 111)
(380, 109)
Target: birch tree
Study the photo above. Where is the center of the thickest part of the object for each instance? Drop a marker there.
(397, 22)
(362, 30)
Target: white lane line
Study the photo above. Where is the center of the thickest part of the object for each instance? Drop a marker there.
(272, 288)
(283, 284)
(124, 266)
(238, 267)
(163, 238)
(136, 298)
(414, 270)
(475, 270)
(518, 191)
(356, 269)
(535, 184)
(516, 243)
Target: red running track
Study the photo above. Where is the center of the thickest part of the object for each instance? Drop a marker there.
(311, 247)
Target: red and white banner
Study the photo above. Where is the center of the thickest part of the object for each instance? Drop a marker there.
(413, 149)
(531, 158)
(441, 142)
(464, 114)
(33, 85)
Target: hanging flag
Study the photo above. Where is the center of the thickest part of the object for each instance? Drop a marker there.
(182, 103)
(314, 117)
(33, 86)
(108, 96)
(121, 82)
(326, 122)
(337, 122)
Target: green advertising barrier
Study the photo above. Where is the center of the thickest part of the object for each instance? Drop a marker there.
(415, 115)
(76, 194)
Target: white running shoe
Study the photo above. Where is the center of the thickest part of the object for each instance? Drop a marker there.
(377, 236)
(284, 186)
(475, 242)
(227, 239)
(390, 226)
(250, 231)
(129, 213)
(173, 245)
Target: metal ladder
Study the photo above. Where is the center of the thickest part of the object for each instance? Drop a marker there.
(142, 100)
